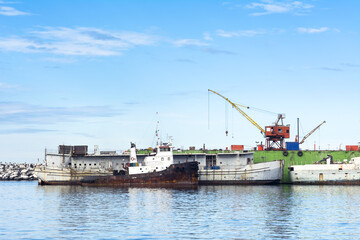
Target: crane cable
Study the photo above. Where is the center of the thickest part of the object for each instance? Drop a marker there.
(236, 106)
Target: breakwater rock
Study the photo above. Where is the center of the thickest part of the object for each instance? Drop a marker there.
(16, 171)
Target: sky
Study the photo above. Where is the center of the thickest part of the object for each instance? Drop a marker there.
(104, 72)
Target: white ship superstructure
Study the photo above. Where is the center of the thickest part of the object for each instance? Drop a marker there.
(159, 160)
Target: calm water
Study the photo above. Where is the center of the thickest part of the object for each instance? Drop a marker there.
(210, 212)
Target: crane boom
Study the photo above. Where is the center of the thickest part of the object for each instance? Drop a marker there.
(240, 111)
(311, 132)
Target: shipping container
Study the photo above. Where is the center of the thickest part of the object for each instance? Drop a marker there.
(260, 147)
(292, 146)
(80, 150)
(215, 167)
(63, 149)
(237, 147)
(352, 148)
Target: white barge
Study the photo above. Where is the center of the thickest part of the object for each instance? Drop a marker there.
(72, 164)
(238, 169)
(327, 172)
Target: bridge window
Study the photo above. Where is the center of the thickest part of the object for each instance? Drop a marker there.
(164, 149)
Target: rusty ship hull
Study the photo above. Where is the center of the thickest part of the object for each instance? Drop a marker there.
(176, 175)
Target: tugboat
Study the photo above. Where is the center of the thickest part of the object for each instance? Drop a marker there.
(157, 170)
(327, 172)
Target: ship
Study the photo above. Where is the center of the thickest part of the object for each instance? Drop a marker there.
(156, 170)
(239, 169)
(71, 164)
(301, 157)
(327, 172)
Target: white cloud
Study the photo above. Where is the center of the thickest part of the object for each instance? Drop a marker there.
(95, 36)
(9, 11)
(20, 113)
(312, 30)
(207, 36)
(189, 42)
(63, 48)
(6, 86)
(271, 7)
(59, 60)
(242, 33)
(77, 41)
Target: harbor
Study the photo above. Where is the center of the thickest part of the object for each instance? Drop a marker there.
(234, 165)
(202, 120)
(73, 166)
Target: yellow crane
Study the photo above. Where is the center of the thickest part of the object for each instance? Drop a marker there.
(236, 106)
(311, 132)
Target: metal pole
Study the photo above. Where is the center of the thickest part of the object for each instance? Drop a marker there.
(298, 137)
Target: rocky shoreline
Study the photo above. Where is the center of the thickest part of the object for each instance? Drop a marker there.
(17, 171)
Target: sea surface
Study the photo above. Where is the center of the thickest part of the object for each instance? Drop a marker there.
(29, 211)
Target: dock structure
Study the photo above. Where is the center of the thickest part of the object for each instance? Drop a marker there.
(301, 158)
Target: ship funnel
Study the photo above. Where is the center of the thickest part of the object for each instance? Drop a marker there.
(133, 158)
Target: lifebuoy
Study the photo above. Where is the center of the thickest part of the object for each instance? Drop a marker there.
(285, 153)
(132, 158)
(300, 153)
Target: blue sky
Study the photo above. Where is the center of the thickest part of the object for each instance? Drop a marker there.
(96, 72)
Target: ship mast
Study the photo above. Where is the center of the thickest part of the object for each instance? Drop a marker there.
(157, 131)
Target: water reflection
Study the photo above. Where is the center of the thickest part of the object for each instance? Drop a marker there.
(236, 212)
